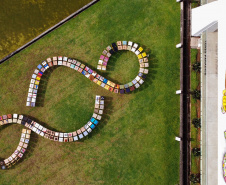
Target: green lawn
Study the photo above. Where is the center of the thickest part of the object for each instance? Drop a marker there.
(135, 142)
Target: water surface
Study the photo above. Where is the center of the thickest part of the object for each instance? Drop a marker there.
(23, 20)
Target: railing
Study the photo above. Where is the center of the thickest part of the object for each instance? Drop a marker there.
(185, 105)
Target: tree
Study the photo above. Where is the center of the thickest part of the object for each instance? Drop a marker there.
(196, 67)
(195, 178)
(196, 152)
(196, 94)
(196, 122)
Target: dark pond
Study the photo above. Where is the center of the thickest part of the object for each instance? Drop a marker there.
(23, 20)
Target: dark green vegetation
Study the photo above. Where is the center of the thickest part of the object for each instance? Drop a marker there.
(23, 20)
(195, 178)
(195, 107)
(196, 122)
(135, 143)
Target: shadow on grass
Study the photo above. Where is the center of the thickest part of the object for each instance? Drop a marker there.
(112, 60)
(153, 64)
(4, 127)
(43, 85)
(150, 77)
(42, 123)
(108, 107)
(1, 130)
(111, 65)
(29, 151)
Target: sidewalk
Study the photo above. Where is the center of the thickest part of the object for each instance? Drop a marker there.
(209, 109)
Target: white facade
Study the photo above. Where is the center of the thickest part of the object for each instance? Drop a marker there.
(211, 17)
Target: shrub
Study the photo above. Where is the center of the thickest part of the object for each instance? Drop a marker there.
(195, 178)
(196, 122)
(196, 67)
(196, 152)
(196, 94)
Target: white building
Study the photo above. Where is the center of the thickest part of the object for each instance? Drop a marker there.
(209, 22)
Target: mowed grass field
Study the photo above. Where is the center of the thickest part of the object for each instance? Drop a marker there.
(135, 141)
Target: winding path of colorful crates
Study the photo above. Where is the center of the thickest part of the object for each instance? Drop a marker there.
(99, 100)
(46, 133)
(91, 74)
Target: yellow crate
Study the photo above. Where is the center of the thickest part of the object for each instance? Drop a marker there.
(144, 54)
(140, 49)
(106, 87)
(140, 56)
(99, 82)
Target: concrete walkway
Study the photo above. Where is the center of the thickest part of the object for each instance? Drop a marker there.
(209, 109)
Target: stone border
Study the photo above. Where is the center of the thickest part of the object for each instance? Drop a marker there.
(49, 30)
